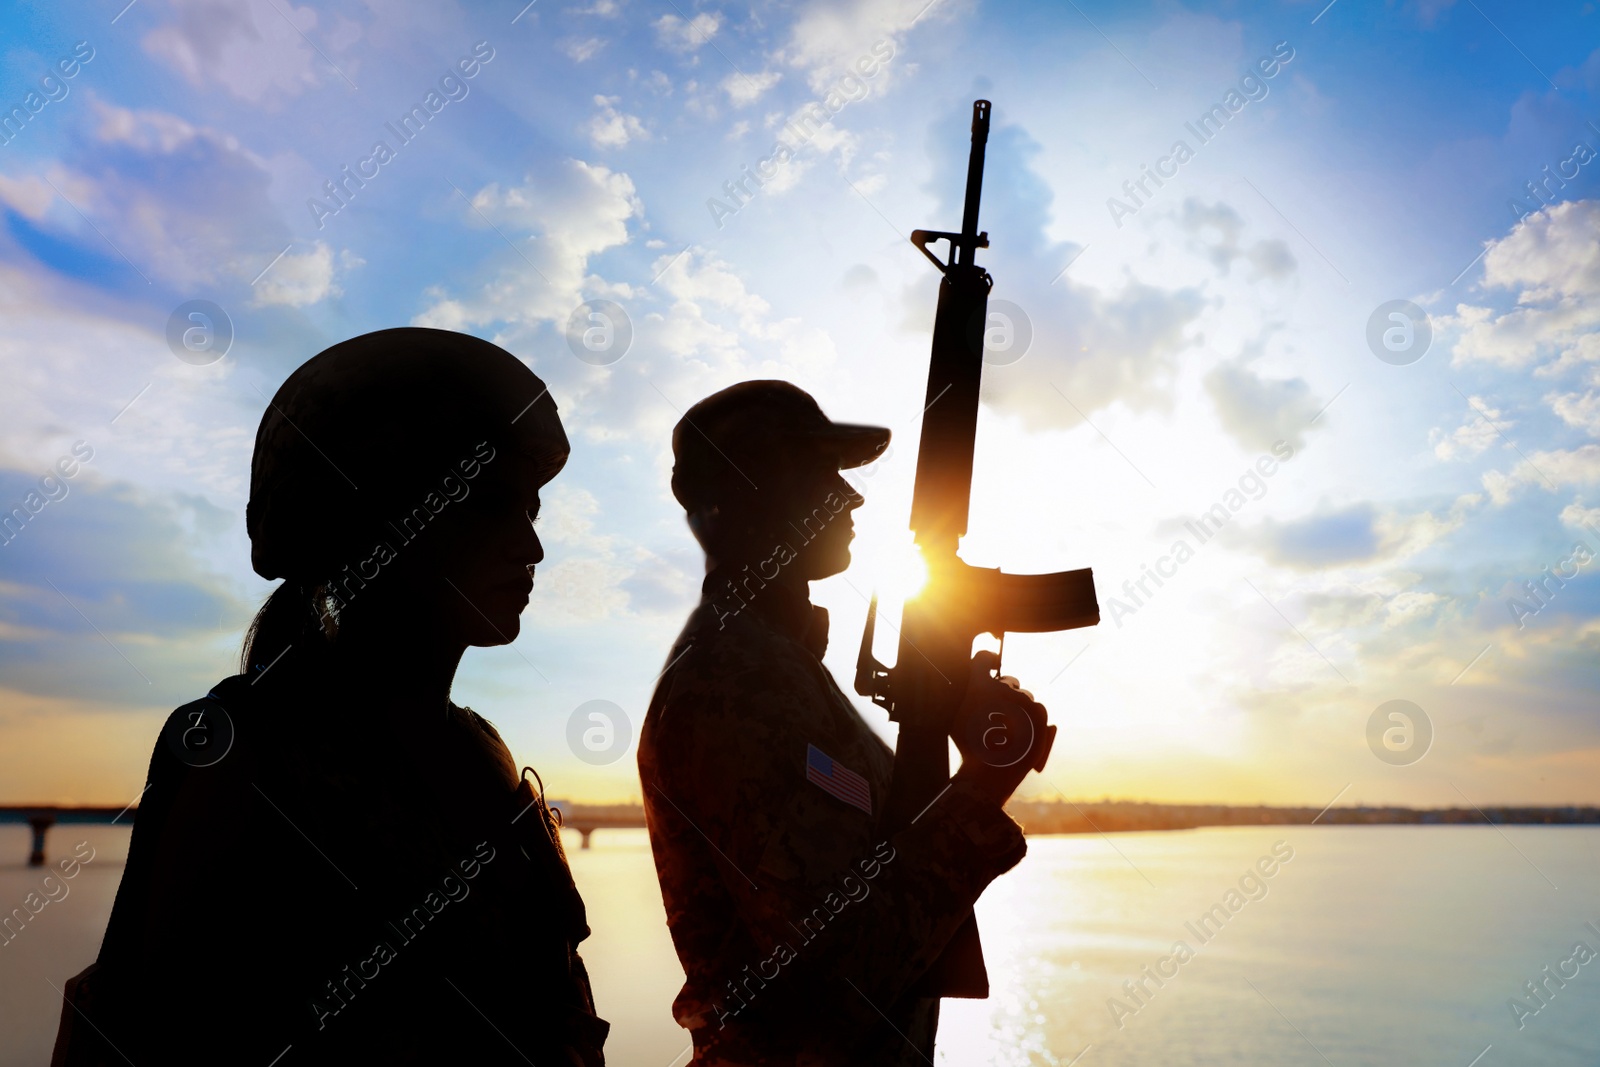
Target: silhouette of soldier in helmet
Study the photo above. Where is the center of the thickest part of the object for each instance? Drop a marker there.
(332, 861)
(808, 932)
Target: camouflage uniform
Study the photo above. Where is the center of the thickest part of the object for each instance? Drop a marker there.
(802, 930)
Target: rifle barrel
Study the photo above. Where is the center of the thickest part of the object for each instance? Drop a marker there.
(969, 214)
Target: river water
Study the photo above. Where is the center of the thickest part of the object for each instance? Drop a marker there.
(1373, 945)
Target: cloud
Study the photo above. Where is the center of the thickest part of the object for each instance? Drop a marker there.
(1258, 412)
(27, 195)
(1091, 345)
(302, 279)
(1409, 607)
(185, 204)
(746, 89)
(1097, 349)
(679, 36)
(1552, 469)
(584, 581)
(1550, 255)
(1569, 466)
(1360, 533)
(1346, 536)
(101, 593)
(1402, 536)
(598, 576)
(579, 49)
(810, 125)
(1582, 411)
(1480, 429)
(712, 283)
(1270, 258)
(657, 81)
(827, 38)
(72, 359)
(716, 331)
(257, 50)
(697, 328)
(574, 210)
(613, 129)
(699, 281)
(1551, 260)
(1576, 515)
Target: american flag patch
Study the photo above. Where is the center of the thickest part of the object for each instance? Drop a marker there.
(837, 779)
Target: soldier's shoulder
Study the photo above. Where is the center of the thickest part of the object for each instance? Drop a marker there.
(202, 733)
(482, 739)
(729, 670)
(716, 641)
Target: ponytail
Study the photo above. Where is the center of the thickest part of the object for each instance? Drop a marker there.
(296, 616)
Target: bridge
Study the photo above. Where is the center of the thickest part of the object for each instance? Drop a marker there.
(587, 818)
(40, 817)
(584, 818)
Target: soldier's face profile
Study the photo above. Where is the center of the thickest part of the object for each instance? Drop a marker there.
(491, 560)
(822, 502)
(472, 570)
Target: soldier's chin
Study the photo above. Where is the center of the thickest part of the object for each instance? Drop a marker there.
(499, 628)
(834, 561)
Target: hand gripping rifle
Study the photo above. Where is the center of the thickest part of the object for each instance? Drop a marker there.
(924, 689)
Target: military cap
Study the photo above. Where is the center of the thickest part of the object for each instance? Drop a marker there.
(731, 436)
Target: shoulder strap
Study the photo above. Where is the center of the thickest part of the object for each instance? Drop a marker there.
(539, 835)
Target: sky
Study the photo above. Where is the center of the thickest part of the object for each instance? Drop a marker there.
(1325, 273)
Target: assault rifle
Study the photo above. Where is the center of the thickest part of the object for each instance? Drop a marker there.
(924, 689)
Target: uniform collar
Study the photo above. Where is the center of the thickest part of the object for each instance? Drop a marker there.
(781, 607)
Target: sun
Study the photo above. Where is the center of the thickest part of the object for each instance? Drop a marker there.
(898, 570)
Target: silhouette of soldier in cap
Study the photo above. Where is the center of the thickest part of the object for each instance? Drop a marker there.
(332, 862)
(807, 930)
